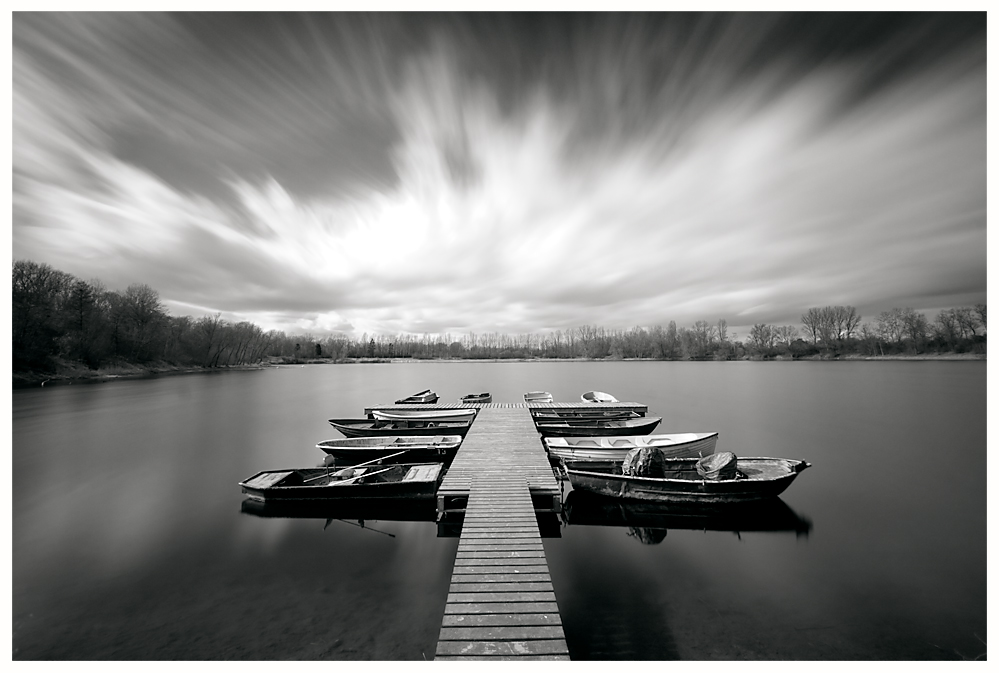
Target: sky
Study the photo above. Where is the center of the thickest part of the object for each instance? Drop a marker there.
(448, 173)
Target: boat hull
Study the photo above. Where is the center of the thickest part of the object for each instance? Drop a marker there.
(681, 445)
(417, 449)
(376, 428)
(554, 415)
(635, 426)
(393, 482)
(484, 398)
(538, 396)
(768, 478)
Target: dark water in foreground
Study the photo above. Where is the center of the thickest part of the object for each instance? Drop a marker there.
(129, 541)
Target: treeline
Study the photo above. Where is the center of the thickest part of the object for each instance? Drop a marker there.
(58, 316)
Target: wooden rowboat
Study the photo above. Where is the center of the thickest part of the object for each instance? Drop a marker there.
(369, 481)
(423, 397)
(416, 449)
(757, 479)
(609, 449)
(424, 414)
(478, 398)
(372, 427)
(537, 396)
(597, 396)
(629, 426)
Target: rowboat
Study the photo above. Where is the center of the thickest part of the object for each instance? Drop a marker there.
(597, 396)
(678, 445)
(756, 479)
(372, 427)
(424, 414)
(582, 508)
(416, 449)
(478, 398)
(628, 426)
(423, 397)
(537, 396)
(368, 481)
(593, 413)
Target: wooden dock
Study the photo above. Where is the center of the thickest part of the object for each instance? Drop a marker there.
(501, 604)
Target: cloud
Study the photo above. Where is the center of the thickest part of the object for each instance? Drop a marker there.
(439, 193)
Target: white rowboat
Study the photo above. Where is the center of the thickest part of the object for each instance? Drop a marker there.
(678, 445)
(597, 396)
(424, 414)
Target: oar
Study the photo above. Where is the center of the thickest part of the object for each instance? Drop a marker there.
(375, 460)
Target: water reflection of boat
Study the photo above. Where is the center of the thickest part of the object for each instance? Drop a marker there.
(589, 509)
(368, 427)
(368, 481)
(395, 509)
(423, 397)
(595, 428)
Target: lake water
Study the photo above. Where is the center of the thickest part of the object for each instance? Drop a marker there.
(129, 539)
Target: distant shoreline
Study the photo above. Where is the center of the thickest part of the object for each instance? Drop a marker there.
(76, 374)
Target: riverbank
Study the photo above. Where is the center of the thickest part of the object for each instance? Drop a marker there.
(67, 372)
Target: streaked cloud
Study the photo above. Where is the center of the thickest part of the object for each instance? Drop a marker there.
(452, 173)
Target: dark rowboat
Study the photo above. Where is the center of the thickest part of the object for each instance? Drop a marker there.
(537, 396)
(367, 427)
(477, 398)
(591, 428)
(756, 479)
(556, 414)
(369, 481)
(423, 397)
(416, 449)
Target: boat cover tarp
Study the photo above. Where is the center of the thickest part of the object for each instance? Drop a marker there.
(647, 461)
(718, 466)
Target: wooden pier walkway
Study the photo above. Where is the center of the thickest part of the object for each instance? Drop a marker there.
(501, 604)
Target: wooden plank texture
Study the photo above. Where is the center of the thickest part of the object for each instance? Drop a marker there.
(501, 603)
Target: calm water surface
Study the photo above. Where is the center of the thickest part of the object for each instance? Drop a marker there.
(129, 539)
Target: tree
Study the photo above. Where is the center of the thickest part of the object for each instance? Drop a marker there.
(763, 337)
(36, 292)
(812, 320)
